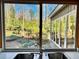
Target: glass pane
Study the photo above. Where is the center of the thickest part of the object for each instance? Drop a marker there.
(21, 26)
(58, 29)
(63, 29)
(71, 32)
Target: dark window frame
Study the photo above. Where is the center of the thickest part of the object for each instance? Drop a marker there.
(40, 29)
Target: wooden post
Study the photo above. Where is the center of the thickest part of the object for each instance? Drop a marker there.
(77, 27)
(0, 28)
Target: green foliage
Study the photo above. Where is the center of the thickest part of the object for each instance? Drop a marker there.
(32, 26)
(46, 25)
(63, 24)
(72, 21)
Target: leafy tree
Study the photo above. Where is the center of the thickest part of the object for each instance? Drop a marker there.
(31, 14)
(11, 17)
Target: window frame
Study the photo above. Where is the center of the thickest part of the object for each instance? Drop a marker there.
(40, 29)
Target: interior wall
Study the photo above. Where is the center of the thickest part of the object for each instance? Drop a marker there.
(77, 27)
(45, 1)
(0, 28)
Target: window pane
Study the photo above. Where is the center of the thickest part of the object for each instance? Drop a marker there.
(58, 29)
(71, 32)
(63, 31)
(22, 26)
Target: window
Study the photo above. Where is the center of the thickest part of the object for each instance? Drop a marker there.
(21, 26)
(71, 32)
(59, 26)
(63, 29)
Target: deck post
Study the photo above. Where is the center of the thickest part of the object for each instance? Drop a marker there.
(66, 29)
(50, 29)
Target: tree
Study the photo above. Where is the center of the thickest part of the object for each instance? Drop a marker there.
(31, 14)
(11, 17)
